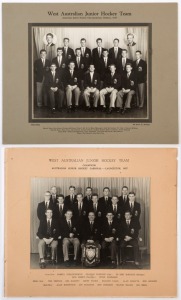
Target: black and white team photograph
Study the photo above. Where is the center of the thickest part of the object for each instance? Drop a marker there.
(90, 73)
(90, 223)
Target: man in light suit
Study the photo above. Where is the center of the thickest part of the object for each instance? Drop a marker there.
(92, 86)
(41, 67)
(140, 69)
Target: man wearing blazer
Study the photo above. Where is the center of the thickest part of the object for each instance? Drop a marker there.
(54, 196)
(123, 61)
(59, 60)
(110, 236)
(72, 197)
(97, 54)
(60, 208)
(140, 69)
(44, 205)
(115, 52)
(106, 199)
(111, 86)
(85, 52)
(105, 63)
(80, 209)
(69, 235)
(123, 199)
(90, 231)
(41, 67)
(48, 233)
(133, 207)
(116, 208)
(88, 197)
(128, 89)
(55, 86)
(68, 52)
(97, 207)
(72, 85)
(92, 86)
(129, 236)
(80, 66)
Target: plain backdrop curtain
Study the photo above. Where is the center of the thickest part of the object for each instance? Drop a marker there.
(141, 186)
(91, 34)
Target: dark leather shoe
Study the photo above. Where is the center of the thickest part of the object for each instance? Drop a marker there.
(42, 265)
(53, 262)
(109, 111)
(88, 108)
(113, 265)
(69, 109)
(76, 108)
(53, 111)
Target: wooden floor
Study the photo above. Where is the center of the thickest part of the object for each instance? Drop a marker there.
(44, 113)
(34, 264)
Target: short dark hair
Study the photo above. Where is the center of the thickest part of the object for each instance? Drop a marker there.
(138, 51)
(115, 196)
(43, 50)
(49, 209)
(128, 211)
(88, 188)
(130, 34)
(83, 39)
(71, 61)
(112, 65)
(80, 194)
(49, 34)
(71, 186)
(129, 64)
(77, 49)
(105, 50)
(124, 187)
(59, 48)
(66, 39)
(95, 195)
(53, 64)
(98, 39)
(106, 187)
(61, 195)
(124, 50)
(116, 39)
(91, 211)
(132, 193)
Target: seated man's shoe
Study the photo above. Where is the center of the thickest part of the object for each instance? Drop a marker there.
(42, 264)
(67, 263)
(109, 111)
(69, 109)
(53, 111)
(137, 265)
(103, 108)
(87, 108)
(53, 262)
(113, 264)
(94, 109)
(76, 108)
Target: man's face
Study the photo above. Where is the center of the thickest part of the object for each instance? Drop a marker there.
(88, 192)
(66, 43)
(79, 198)
(131, 197)
(106, 192)
(43, 54)
(112, 69)
(105, 53)
(130, 38)
(53, 189)
(60, 200)
(124, 191)
(71, 66)
(49, 214)
(49, 39)
(127, 216)
(91, 68)
(115, 43)
(53, 68)
(91, 216)
(68, 215)
(83, 43)
(99, 43)
(78, 53)
(138, 55)
(109, 216)
(47, 196)
(124, 54)
(94, 199)
(128, 68)
(114, 200)
(59, 52)
(72, 191)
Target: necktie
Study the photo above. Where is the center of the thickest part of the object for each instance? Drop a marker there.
(71, 77)
(43, 61)
(91, 74)
(110, 223)
(59, 61)
(131, 206)
(116, 52)
(91, 225)
(48, 228)
(95, 208)
(60, 209)
(69, 224)
(137, 62)
(83, 51)
(105, 61)
(46, 205)
(127, 222)
(124, 198)
(79, 208)
(128, 75)
(114, 209)
(124, 63)
(65, 52)
(78, 61)
(53, 80)
(112, 75)
(99, 52)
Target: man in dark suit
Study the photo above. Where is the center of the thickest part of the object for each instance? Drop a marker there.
(105, 200)
(67, 51)
(69, 235)
(43, 206)
(80, 66)
(90, 231)
(60, 208)
(92, 86)
(129, 236)
(140, 69)
(128, 89)
(71, 198)
(111, 86)
(123, 199)
(88, 196)
(48, 233)
(105, 63)
(59, 60)
(85, 52)
(97, 54)
(72, 85)
(123, 61)
(133, 207)
(115, 208)
(98, 207)
(55, 86)
(80, 209)
(41, 67)
(54, 195)
(110, 235)
(130, 39)
(115, 52)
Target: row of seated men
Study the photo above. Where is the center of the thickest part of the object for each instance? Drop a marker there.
(89, 222)
(97, 76)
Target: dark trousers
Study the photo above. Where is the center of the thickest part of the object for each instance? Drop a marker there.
(60, 96)
(133, 243)
(112, 248)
